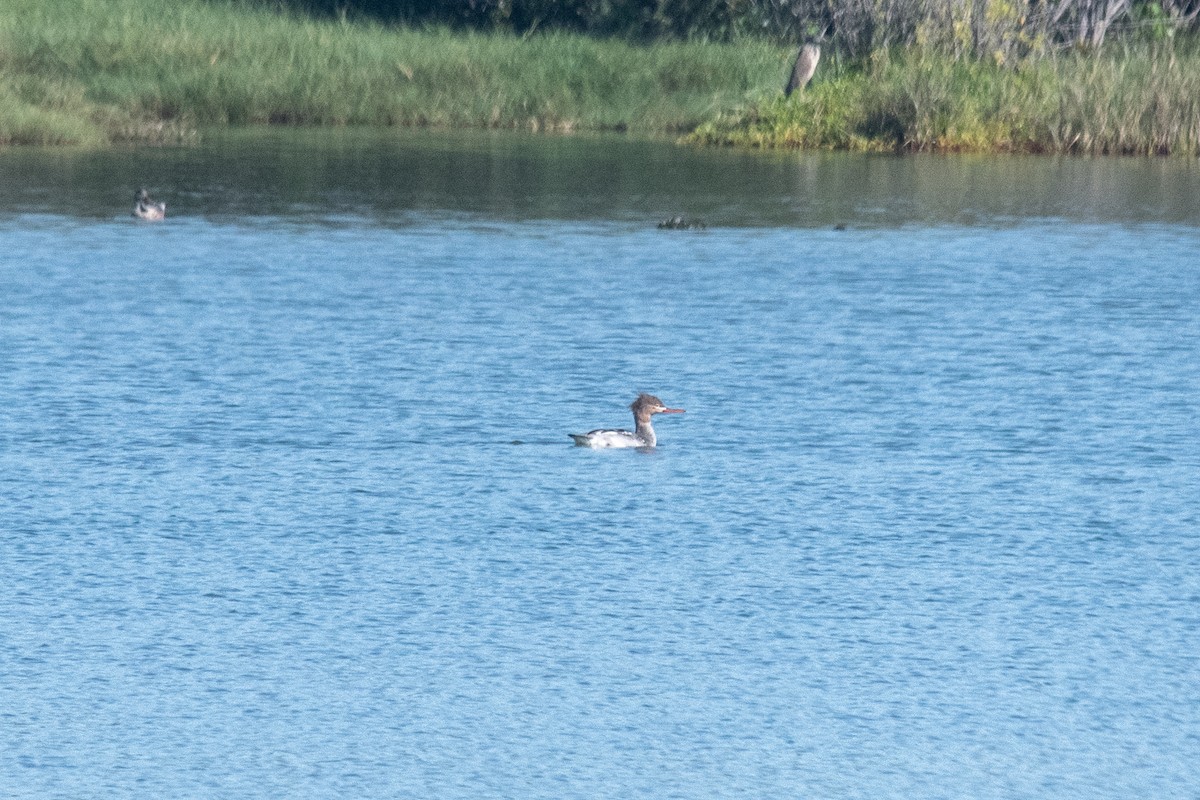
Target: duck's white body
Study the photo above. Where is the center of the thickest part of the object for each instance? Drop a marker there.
(146, 209)
(611, 437)
(643, 409)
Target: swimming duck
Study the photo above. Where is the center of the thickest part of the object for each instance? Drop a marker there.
(646, 406)
(145, 208)
(681, 224)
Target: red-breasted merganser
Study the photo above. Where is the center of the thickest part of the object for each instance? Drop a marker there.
(643, 408)
(145, 208)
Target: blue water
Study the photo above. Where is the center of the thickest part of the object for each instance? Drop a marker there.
(288, 508)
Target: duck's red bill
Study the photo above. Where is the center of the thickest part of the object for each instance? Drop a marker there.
(672, 411)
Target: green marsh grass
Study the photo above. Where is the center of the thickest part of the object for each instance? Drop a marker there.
(153, 68)
(93, 72)
(1140, 99)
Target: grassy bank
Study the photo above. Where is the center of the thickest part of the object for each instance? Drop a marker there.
(99, 71)
(92, 71)
(1139, 99)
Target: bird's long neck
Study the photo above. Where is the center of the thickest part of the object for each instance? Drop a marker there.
(643, 429)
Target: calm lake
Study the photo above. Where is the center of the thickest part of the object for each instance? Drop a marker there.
(288, 507)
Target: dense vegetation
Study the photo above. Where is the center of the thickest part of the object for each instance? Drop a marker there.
(856, 27)
(99, 70)
(1140, 99)
(1119, 76)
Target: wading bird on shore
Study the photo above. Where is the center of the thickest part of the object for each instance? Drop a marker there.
(145, 208)
(803, 69)
(643, 408)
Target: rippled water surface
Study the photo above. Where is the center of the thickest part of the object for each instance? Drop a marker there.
(288, 509)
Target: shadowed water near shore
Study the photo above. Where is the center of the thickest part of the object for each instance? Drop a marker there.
(388, 174)
(927, 529)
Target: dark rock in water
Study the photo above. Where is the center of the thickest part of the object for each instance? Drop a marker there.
(841, 226)
(681, 224)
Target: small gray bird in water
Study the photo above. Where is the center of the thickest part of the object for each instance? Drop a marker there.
(681, 224)
(145, 208)
(805, 66)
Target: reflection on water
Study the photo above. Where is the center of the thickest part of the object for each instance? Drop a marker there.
(927, 528)
(386, 175)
